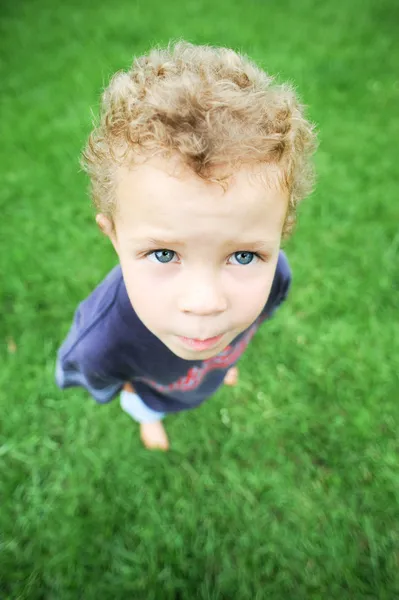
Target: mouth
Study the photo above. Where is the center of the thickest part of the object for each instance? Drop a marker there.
(198, 345)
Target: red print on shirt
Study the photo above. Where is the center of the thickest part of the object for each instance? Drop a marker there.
(196, 375)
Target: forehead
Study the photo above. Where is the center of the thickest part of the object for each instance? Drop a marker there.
(160, 197)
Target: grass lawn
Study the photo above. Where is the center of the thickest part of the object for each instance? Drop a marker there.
(286, 487)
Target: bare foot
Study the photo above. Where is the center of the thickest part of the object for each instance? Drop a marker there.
(153, 436)
(231, 377)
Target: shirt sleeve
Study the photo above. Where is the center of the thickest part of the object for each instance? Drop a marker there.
(102, 387)
(89, 355)
(82, 366)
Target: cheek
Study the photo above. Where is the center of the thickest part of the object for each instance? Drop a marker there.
(254, 300)
(142, 302)
(139, 288)
(148, 301)
(251, 295)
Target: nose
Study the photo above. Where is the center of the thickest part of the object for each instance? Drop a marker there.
(202, 296)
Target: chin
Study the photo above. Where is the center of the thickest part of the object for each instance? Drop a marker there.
(193, 355)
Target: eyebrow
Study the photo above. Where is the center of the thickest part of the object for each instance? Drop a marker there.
(161, 243)
(260, 245)
(257, 244)
(166, 243)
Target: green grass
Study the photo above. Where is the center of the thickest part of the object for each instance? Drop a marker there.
(288, 486)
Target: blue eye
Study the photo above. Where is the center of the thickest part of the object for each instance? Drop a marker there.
(164, 256)
(244, 258)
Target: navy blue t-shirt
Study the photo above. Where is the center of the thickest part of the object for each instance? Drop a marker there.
(108, 346)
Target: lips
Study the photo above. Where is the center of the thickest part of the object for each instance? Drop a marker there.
(197, 344)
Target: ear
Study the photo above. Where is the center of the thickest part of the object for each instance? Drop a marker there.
(108, 229)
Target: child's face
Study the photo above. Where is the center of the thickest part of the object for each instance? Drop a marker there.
(198, 261)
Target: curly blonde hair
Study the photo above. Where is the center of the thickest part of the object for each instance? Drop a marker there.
(212, 107)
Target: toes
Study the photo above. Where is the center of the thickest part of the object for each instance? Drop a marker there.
(231, 377)
(154, 437)
(153, 445)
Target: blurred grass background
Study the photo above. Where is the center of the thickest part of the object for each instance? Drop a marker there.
(284, 488)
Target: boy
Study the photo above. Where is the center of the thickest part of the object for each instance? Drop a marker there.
(196, 168)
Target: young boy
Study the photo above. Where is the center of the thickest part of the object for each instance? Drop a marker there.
(196, 168)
